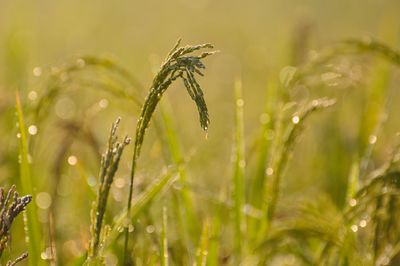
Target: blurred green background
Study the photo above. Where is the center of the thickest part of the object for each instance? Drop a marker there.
(256, 40)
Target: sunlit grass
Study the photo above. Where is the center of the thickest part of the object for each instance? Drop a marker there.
(166, 215)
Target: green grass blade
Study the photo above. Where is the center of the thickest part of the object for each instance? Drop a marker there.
(202, 251)
(352, 183)
(263, 151)
(164, 240)
(238, 174)
(379, 98)
(293, 132)
(215, 234)
(176, 157)
(33, 228)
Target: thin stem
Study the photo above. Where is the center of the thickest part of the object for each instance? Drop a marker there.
(175, 66)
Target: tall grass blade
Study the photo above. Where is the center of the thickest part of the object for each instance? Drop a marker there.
(378, 103)
(239, 164)
(263, 149)
(373, 46)
(33, 228)
(353, 181)
(213, 258)
(294, 131)
(184, 199)
(164, 240)
(202, 250)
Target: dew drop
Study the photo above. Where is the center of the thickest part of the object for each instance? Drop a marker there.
(239, 102)
(353, 202)
(295, 119)
(37, 71)
(363, 223)
(18, 135)
(372, 139)
(354, 228)
(91, 181)
(131, 228)
(103, 103)
(72, 160)
(32, 129)
(150, 229)
(32, 95)
(269, 171)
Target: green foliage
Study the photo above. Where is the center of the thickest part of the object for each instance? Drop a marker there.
(267, 211)
(178, 64)
(33, 228)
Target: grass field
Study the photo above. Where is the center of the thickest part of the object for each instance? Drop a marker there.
(199, 133)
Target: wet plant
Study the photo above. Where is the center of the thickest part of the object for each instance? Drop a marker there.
(249, 220)
(108, 168)
(11, 205)
(179, 64)
(289, 140)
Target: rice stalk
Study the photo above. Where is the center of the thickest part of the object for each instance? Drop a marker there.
(178, 64)
(202, 250)
(11, 205)
(369, 45)
(67, 74)
(108, 168)
(347, 47)
(378, 112)
(214, 239)
(22, 257)
(280, 161)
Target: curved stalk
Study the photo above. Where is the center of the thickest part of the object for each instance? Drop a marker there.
(178, 64)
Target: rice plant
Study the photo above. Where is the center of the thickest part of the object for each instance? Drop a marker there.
(11, 205)
(178, 64)
(269, 200)
(109, 166)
